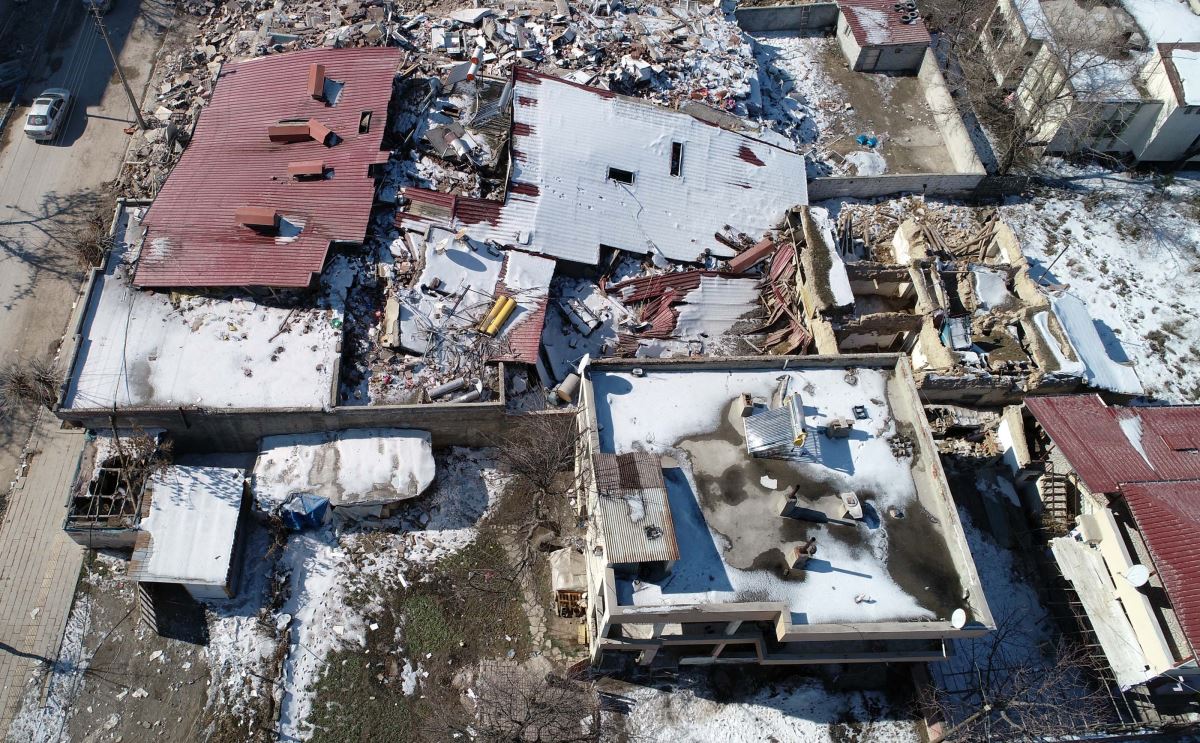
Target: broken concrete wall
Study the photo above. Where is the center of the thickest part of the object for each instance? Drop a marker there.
(880, 279)
(809, 17)
(992, 390)
(460, 424)
(824, 338)
(1005, 247)
(929, 353)
(816, 257)
(1028, 291)
(945, 114)
(878, 333)
(961, 185)
(908, 244)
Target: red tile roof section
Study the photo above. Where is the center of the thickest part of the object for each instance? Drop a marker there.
(192, 239)
(1168, 515)
(1090, 436)
(861, 16)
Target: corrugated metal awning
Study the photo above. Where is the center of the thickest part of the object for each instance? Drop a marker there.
(635, 514)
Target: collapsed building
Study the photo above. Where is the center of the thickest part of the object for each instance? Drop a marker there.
(1119, 488)
(963, 304)
(770, 511)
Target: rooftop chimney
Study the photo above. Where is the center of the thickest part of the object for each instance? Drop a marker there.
(257, 217)
(316, 81)
(292, 131)
(306, 169)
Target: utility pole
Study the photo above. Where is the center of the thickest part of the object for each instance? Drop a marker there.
(137, 109)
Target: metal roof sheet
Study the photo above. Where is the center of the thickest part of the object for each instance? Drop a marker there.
(192, 238)
(561, 202)
(878, 23)
(634, 511)
(1168, 516)
(1150, 447)
(524, 337)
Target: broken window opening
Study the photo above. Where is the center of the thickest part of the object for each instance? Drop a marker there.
(677, 159)
(620, 176)
(364, 122)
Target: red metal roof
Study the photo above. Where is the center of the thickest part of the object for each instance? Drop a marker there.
(192, 238)
(1168, 516)
(649, 287)
(747, 259)
(877, 23)
(457, 209)
(1103, 453)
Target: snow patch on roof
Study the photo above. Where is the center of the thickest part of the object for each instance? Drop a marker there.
(365, 466)
(1165, 21)
(566, 145)
(716, 306)
(192, 524)
(1187, 65)
(1132, 428)
(1099, 369)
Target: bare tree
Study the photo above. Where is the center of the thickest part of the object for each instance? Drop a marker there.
(1070, 71)
(999, 694)
(540, 447)
(91, 241)
(25, 382)
(514, 703)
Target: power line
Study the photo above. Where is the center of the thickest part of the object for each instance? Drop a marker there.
(137, 109)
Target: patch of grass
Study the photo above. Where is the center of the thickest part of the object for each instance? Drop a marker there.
(464, 609)
(426, 628)
(1158, 341)
(353, 704)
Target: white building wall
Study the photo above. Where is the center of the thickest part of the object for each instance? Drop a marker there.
(1174, 129)
(850, 47)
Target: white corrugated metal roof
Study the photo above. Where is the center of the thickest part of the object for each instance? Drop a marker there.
(562, 203)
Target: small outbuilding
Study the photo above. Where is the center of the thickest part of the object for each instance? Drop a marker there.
(882, 35)
(195, 517)
(363, 473)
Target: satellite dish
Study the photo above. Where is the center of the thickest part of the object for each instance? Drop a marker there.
(1138, 575)
(958, 619)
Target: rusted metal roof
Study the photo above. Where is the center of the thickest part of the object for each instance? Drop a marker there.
(650, 287)
(193, 239)
(634, 511)
(1168, 516)
(1109, 446)
(878, 23)
(446, 208)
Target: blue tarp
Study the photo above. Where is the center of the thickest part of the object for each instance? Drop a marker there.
(304, 511)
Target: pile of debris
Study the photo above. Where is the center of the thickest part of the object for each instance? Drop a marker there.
(669, 54)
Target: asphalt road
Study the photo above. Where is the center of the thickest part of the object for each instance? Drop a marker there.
(45, 188)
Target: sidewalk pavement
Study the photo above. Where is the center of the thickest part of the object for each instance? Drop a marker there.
(39, 564)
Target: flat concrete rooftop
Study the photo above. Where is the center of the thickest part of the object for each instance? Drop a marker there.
(905, 560)
(146, 349)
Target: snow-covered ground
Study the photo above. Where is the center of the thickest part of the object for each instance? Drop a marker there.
(1130, 250)
(45, 721)
(800, 710)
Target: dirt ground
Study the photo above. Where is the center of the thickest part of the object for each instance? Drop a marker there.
(137, 685)
(892, 107)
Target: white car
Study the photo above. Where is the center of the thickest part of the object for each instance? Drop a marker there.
(47, 114)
